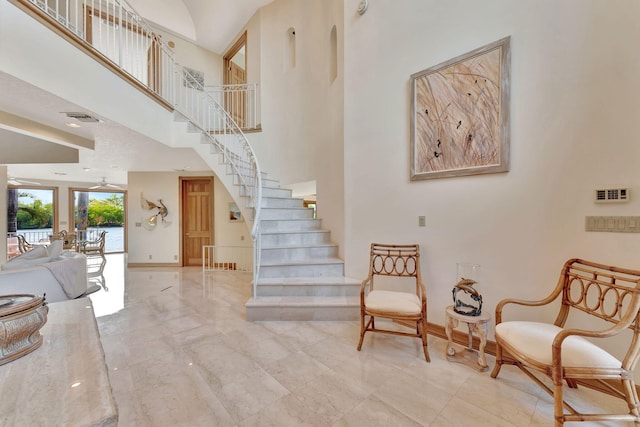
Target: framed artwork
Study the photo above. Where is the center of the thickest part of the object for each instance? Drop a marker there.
(234, 213)
(193, 79)
(460, 115)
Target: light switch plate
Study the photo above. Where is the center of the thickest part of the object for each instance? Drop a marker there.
(613, 224)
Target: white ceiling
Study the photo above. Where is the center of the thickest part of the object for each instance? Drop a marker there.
(211, 24)
(117, 149)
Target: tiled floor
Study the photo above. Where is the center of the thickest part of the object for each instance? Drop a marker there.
(180, 353)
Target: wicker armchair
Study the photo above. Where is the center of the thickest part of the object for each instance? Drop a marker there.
(604, 293)
(23, 245)
(94, 247)
(402, 263)
(68, 240)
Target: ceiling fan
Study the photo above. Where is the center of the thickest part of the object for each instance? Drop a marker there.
(104, 184)
(16, 181)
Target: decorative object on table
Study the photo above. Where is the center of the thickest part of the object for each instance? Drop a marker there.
(460, 115)
(466, 299)
(162, 212)
(475, 324)
(21, 317)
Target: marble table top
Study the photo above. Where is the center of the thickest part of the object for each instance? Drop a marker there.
(65, 381)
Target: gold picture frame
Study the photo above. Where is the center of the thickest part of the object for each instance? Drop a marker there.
(460, 115)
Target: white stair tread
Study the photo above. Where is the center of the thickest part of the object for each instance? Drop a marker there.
(315, 261)
(273, 233)
(329, 280)
(312, 245)
(304, 301)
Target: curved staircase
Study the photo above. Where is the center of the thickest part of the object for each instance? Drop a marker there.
(301, 276)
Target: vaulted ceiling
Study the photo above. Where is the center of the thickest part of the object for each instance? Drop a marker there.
(211, 24)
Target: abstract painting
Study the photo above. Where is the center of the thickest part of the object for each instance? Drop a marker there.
(460, 115)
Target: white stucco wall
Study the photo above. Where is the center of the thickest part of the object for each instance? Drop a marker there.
(301, 108)
(294, 100)
(163, 243)
(574, 98)
(573, 102)
(189, 55)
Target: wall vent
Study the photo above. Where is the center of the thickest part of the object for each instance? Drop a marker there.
(609, 195)
(82, 117)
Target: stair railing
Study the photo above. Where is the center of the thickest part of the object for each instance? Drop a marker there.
(117, 34)
(240, 100)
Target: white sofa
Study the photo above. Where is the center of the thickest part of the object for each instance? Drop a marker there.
(47, 270)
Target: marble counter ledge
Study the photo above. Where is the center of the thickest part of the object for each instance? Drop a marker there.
(65, 381)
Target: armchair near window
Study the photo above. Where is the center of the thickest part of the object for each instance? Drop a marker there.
(23, 245)
(401, 263)
(600, 294)
(68, 240)
(94, 247)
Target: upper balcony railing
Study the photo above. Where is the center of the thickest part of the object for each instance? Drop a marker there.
(241, 101)
(112, 31)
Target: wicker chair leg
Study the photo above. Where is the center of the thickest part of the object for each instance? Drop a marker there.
(423, 329)
(631, 396)
(498, 365)
(558, 405)
(362, 331)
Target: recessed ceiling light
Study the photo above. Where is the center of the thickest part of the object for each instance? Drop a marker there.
(86, 169)
(73, 125)
(60, 173)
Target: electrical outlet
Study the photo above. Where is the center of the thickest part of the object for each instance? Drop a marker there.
(150, 256)
(422, 221)
(175, 257)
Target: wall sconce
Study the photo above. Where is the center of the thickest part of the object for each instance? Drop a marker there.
(362, 7)
(162, 212)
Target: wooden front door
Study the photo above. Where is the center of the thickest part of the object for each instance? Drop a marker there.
(197, 218)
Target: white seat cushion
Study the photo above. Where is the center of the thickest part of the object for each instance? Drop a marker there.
(397, 302)
(534, 340)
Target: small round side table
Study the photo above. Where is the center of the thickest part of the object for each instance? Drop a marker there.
(479, 325)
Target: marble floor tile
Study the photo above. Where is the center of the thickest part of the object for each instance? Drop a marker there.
(287, 411)
(296, 370)
(375, 413)
(180, 353)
